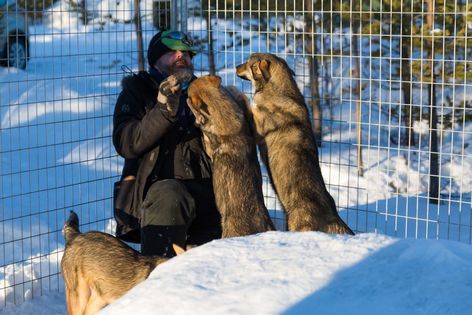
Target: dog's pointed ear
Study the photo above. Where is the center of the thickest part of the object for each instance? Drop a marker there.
(177, 249)
(215, 80)
(194, 102)
(265, 69)
(260, 70)
(195, 106)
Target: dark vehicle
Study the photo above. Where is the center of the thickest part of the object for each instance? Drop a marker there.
(14, 45)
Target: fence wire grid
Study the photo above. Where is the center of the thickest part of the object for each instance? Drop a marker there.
(387, 84)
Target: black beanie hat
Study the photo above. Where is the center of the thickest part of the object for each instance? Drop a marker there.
(156, 49)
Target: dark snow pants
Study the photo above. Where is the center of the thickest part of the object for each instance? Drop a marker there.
(178, 212)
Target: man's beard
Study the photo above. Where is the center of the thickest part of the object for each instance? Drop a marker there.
(180, 65)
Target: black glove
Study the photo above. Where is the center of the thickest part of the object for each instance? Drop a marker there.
(169, 95)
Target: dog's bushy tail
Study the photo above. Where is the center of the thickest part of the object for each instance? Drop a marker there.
(71, 227)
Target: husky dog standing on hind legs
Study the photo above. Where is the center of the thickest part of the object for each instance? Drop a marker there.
(287, 146)
(221, 113)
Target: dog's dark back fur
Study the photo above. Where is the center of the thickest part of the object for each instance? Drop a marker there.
(288, 147)
(237, 179)
(99, 262)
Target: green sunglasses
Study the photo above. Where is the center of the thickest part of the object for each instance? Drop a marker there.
(176, 35)
(176, 40)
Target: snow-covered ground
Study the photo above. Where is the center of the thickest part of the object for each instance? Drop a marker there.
(299, 273)
(56, 154)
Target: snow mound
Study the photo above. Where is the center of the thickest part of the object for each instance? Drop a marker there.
(308, 273)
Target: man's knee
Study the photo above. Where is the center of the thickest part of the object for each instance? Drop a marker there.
(168, 202)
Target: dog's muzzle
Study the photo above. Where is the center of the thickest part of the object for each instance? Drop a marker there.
(241, 71)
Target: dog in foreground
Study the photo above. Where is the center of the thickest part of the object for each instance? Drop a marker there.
(288, 147)
(99, 269)
(222, 115)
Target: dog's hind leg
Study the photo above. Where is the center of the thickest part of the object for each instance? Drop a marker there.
(79, 297)
(71, 297)
(73, 294)
(94, 304)
(75, 302)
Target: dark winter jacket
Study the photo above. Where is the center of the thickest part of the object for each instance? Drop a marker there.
(155, 146)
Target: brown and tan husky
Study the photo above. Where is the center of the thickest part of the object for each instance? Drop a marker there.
(228, 140)
(287, 146)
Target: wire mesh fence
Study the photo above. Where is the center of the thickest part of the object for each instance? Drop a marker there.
(387, 84)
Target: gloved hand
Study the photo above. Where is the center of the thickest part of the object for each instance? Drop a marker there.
(169, 95)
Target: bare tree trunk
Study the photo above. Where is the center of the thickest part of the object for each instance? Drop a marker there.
(139, 35)
(83, 11)
(211, 56)
(434, 156)
(407, 109)
(314, 74)
(357, 92)
(327, 93)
